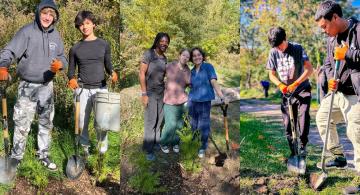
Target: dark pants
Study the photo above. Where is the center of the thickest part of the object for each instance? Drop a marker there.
(200, 119)
(266, 91)
(153, 118)
(301, 107)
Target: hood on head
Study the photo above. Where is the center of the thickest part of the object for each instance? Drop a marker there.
(44, 4)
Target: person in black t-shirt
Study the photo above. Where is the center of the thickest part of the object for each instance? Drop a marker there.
(289, 68)
(92, 57)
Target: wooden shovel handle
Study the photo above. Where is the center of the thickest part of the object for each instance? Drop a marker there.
(226, 130)
(4, 112)
(77, 113)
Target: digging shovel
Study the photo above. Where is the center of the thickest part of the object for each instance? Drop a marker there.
(75, 164)
(295, 163)
(7, 169)
(317, 181)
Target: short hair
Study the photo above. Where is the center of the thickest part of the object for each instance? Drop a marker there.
(327, 9)
(276, 36)
(158, 37)
(46, 10)
(82, 16)
(200, 50)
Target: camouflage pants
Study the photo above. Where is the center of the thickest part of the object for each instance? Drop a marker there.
(33, 98)
(87, 103)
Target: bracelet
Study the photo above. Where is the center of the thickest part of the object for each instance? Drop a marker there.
(143, 94)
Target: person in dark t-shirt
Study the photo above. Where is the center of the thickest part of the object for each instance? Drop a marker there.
(289, 69)
(151, 76)
(342, 45)
(92, 57)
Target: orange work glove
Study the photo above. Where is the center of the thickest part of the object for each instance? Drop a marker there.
(56, 65)
(291, 88)
(114, 77)
(332, 84)
(4, 74)
(339, 52)
(73, 84)
(283, 88)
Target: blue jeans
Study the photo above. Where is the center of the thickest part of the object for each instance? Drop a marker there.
(200, 119)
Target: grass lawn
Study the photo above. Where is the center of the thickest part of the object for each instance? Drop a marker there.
(262, 156)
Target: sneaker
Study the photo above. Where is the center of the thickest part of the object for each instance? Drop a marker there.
(165, 149)
(201, 153)
(48, 164)
(176, 148)
(335, 163)
(150, 157)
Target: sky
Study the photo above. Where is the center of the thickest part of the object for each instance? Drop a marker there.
(356, 3)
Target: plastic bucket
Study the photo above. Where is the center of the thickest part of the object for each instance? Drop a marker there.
(107, 111)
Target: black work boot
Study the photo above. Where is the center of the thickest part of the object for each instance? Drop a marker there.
(337, 162)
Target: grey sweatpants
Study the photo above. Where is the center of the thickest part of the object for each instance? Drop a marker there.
(33, 98)
(153, 118)
(87, 104)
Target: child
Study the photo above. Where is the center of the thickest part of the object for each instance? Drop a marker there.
(92, 56)
(289, 61)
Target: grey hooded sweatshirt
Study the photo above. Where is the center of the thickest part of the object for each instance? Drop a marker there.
(33, 48)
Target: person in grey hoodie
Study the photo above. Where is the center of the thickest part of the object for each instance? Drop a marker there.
(38, 50)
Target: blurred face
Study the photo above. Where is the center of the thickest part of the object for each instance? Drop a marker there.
(47, 17)
(163, 44)
(282, 47)
(184, 57)
(197, 57)
(87, 27)
(327, 26)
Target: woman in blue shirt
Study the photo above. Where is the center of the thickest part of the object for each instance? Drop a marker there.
(203, 82)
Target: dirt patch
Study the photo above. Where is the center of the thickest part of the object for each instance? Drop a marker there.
(83, 185)
(271, 184)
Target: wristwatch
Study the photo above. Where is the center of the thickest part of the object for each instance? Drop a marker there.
(143, 94)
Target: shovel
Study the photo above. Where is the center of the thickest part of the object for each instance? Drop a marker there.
(219, 159)
(317, 181)
(295, 163)
(7, 169)
(75, 164)
(224, 108)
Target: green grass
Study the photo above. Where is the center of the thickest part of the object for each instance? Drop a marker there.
(257, 159)
(263, 142)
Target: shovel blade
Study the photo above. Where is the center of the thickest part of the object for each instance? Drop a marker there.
(74, 167)
(317, 181)
(7, 171)
(297, 164)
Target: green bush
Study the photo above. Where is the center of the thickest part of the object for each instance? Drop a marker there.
(144, 180)
(189, 147)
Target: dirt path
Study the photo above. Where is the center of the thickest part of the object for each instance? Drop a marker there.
(261, 108)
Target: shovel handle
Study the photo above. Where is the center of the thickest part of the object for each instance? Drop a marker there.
(77, 113)
(337, 65)
(226, 132)
(4, 112)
